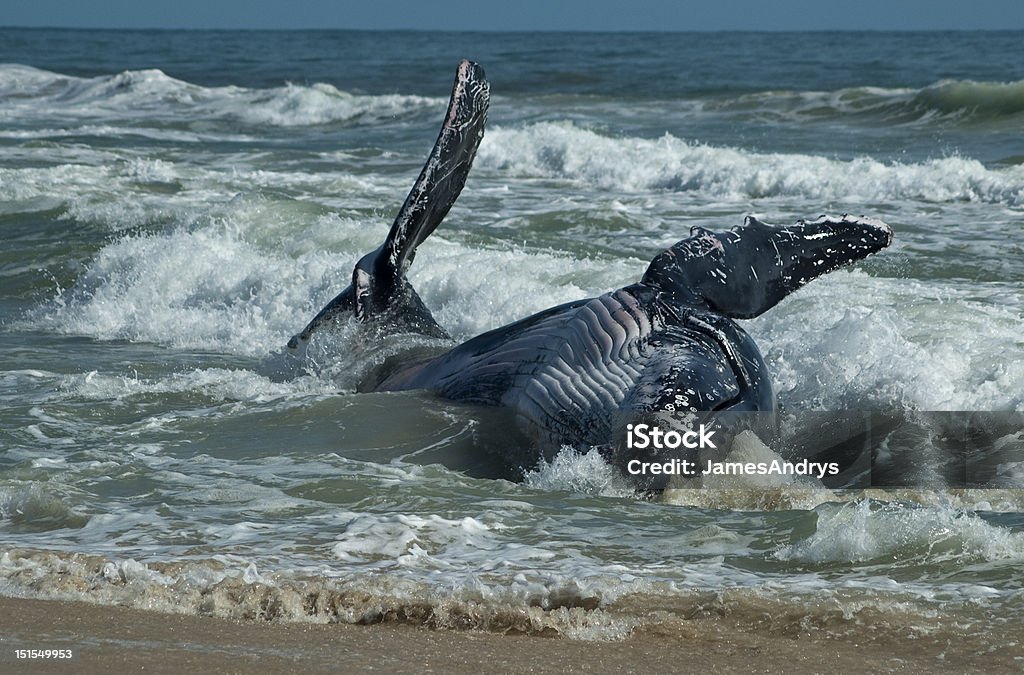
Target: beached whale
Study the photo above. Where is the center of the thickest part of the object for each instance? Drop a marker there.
(580, 373)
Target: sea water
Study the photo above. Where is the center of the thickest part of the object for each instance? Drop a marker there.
(175, 205)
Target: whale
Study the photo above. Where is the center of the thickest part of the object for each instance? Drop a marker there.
(581, 373)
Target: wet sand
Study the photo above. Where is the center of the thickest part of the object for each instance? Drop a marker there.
(116, 639)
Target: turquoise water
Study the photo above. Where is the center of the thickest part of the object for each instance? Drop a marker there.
(175, 205)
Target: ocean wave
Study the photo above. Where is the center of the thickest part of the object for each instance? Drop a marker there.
(882, 344)
(199, 289)
(229, 587)
(31, 93)
(563, 150)
(976, 99)
(958, 101)
(233, 285)
(902, 535)
(121, 190)
(606, 609)
(38, 507)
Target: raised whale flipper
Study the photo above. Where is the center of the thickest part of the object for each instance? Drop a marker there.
(378, 280)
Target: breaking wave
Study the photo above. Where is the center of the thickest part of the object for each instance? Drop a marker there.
(563, 150)
(901, 535)
(959, 101)
(152, 93)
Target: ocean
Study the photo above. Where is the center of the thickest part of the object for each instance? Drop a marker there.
(174, 205)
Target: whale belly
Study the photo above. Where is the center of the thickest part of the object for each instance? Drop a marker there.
(573, 387)
(577, 374)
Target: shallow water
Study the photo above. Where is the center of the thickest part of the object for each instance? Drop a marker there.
(175, 205)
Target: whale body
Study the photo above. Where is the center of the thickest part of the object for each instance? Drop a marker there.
(579, 373)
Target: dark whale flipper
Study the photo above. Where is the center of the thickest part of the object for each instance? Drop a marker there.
(379, 285)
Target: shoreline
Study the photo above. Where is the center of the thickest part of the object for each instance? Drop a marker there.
(115, 639)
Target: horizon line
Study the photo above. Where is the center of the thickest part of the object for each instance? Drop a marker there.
(516, 31)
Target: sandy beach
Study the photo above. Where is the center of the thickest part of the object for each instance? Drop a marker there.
(114, 639)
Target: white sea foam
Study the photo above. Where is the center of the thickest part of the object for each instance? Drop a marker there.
(864, 530)
(213, 286)
(566, 151)
(32, 93)
(219, 384)
(300, 105)
(878, 343)
(184, 288)
(579, 472)
(122, 190)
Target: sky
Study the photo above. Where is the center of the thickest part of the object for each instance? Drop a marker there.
(491, 15)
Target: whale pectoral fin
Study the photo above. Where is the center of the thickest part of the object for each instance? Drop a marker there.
(690, 378)
(444, 174)
(741, 374)
(683, 384)
(379, 286)
(703, 364)
(379, 282)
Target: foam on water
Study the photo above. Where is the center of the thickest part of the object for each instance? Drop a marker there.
(272, 544)
(574, 602)
(901, 534)
(31, 93)
(566, 151)
(579, 472)
(121, 190)
(881, 344)
(238, 286)
(217, 384)
(184, 289)
(299, 105)
(233, 588)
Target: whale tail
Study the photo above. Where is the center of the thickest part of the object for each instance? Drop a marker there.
(379, 290)
(745, 271)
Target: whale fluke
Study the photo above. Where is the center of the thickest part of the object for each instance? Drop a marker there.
(743, 272)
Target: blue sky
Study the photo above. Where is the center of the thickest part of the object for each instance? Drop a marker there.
(522, 14)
